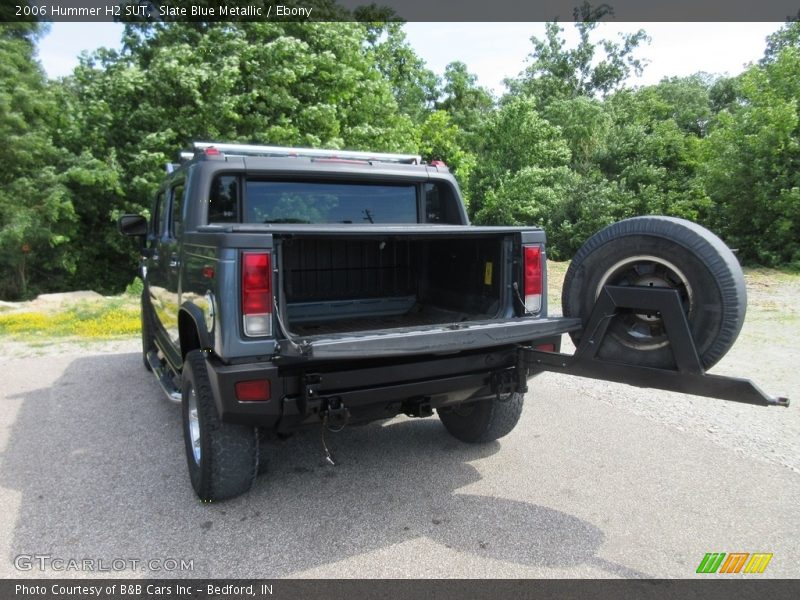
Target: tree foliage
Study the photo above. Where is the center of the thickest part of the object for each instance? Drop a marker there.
(413, 85)
(36, 213)
(468, 104)
(569, 147)
(295, 84)
(719, 151)
(752, 166)
(589, 69)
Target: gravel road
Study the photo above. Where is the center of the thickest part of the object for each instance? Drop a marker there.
(598, 480)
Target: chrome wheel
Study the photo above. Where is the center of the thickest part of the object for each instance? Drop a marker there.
(646, 330)
(194, 426)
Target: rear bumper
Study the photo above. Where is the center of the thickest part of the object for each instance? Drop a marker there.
(369, 389)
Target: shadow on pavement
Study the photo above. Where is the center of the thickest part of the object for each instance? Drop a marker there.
(99, 463)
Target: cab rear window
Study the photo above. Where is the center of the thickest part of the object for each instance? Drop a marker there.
(320, 202)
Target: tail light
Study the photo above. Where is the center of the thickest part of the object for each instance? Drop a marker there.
(532, 275)
(254, 390)
(256, 294)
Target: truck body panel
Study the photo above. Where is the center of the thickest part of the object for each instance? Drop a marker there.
(348, 292)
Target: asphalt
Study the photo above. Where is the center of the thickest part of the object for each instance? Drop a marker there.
(92, 466)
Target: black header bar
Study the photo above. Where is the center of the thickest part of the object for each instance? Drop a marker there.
(713, 588)
(409, 10)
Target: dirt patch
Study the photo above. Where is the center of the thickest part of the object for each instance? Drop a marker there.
(51, 302)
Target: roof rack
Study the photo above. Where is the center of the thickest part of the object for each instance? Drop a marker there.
(279, 151)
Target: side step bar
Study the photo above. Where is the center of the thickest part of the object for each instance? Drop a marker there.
(689, 377)
(164, 377)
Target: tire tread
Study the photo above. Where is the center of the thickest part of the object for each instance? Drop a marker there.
(707, 247)
(489, 421)
(229, 461)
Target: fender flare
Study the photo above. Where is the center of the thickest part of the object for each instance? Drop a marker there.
(199, 338)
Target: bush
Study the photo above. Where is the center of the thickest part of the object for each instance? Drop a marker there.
(135, 288)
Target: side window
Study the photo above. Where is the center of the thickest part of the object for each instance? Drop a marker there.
(156, 224)
(440, 204)
(223, 200)
(176, 222)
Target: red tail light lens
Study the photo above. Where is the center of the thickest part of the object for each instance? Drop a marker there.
(255, 390)
(532, 265)
(257, 293)
(533, 270)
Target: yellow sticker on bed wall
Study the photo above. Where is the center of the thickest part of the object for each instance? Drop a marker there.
(487, 274)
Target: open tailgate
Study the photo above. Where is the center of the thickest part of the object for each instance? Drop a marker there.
(430, 339)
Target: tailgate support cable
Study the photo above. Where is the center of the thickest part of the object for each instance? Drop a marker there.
(299, 348)
(525, 310)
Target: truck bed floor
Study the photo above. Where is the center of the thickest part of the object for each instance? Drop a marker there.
(370, 323)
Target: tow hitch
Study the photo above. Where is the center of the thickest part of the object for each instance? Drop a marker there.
(334, 417)
(506, 382)
(688, 377)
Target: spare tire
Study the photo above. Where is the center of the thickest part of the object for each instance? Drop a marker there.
(659, 252)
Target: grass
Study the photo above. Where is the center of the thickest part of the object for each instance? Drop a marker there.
(100, 320)
(555, 280)
(118, 317)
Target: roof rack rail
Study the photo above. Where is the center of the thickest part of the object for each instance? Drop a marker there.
(280, 151)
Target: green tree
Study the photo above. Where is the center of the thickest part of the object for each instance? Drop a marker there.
(752, 163)
(413, 85)
(36, 212)
(589, 69)
(787, 36)
(281, 83)
(653, 150)
(584, 125)
(468, 104)
(438, 137)
(518, 142)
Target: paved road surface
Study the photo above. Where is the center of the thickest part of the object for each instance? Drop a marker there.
(92, 466)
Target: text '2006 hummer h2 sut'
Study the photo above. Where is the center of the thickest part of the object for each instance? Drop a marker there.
(287, 287)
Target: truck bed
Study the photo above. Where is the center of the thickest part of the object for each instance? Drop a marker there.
(340, 283)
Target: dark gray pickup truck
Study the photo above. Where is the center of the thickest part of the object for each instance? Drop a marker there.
(286, 287)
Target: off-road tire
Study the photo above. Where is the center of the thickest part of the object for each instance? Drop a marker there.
(682, 255)
(228, 461)
(483, 420)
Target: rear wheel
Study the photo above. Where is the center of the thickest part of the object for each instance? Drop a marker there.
(483, 420)
(659, 252)
(222, 457)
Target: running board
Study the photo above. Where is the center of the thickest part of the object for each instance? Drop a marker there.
(164, 377)
(688, 376)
